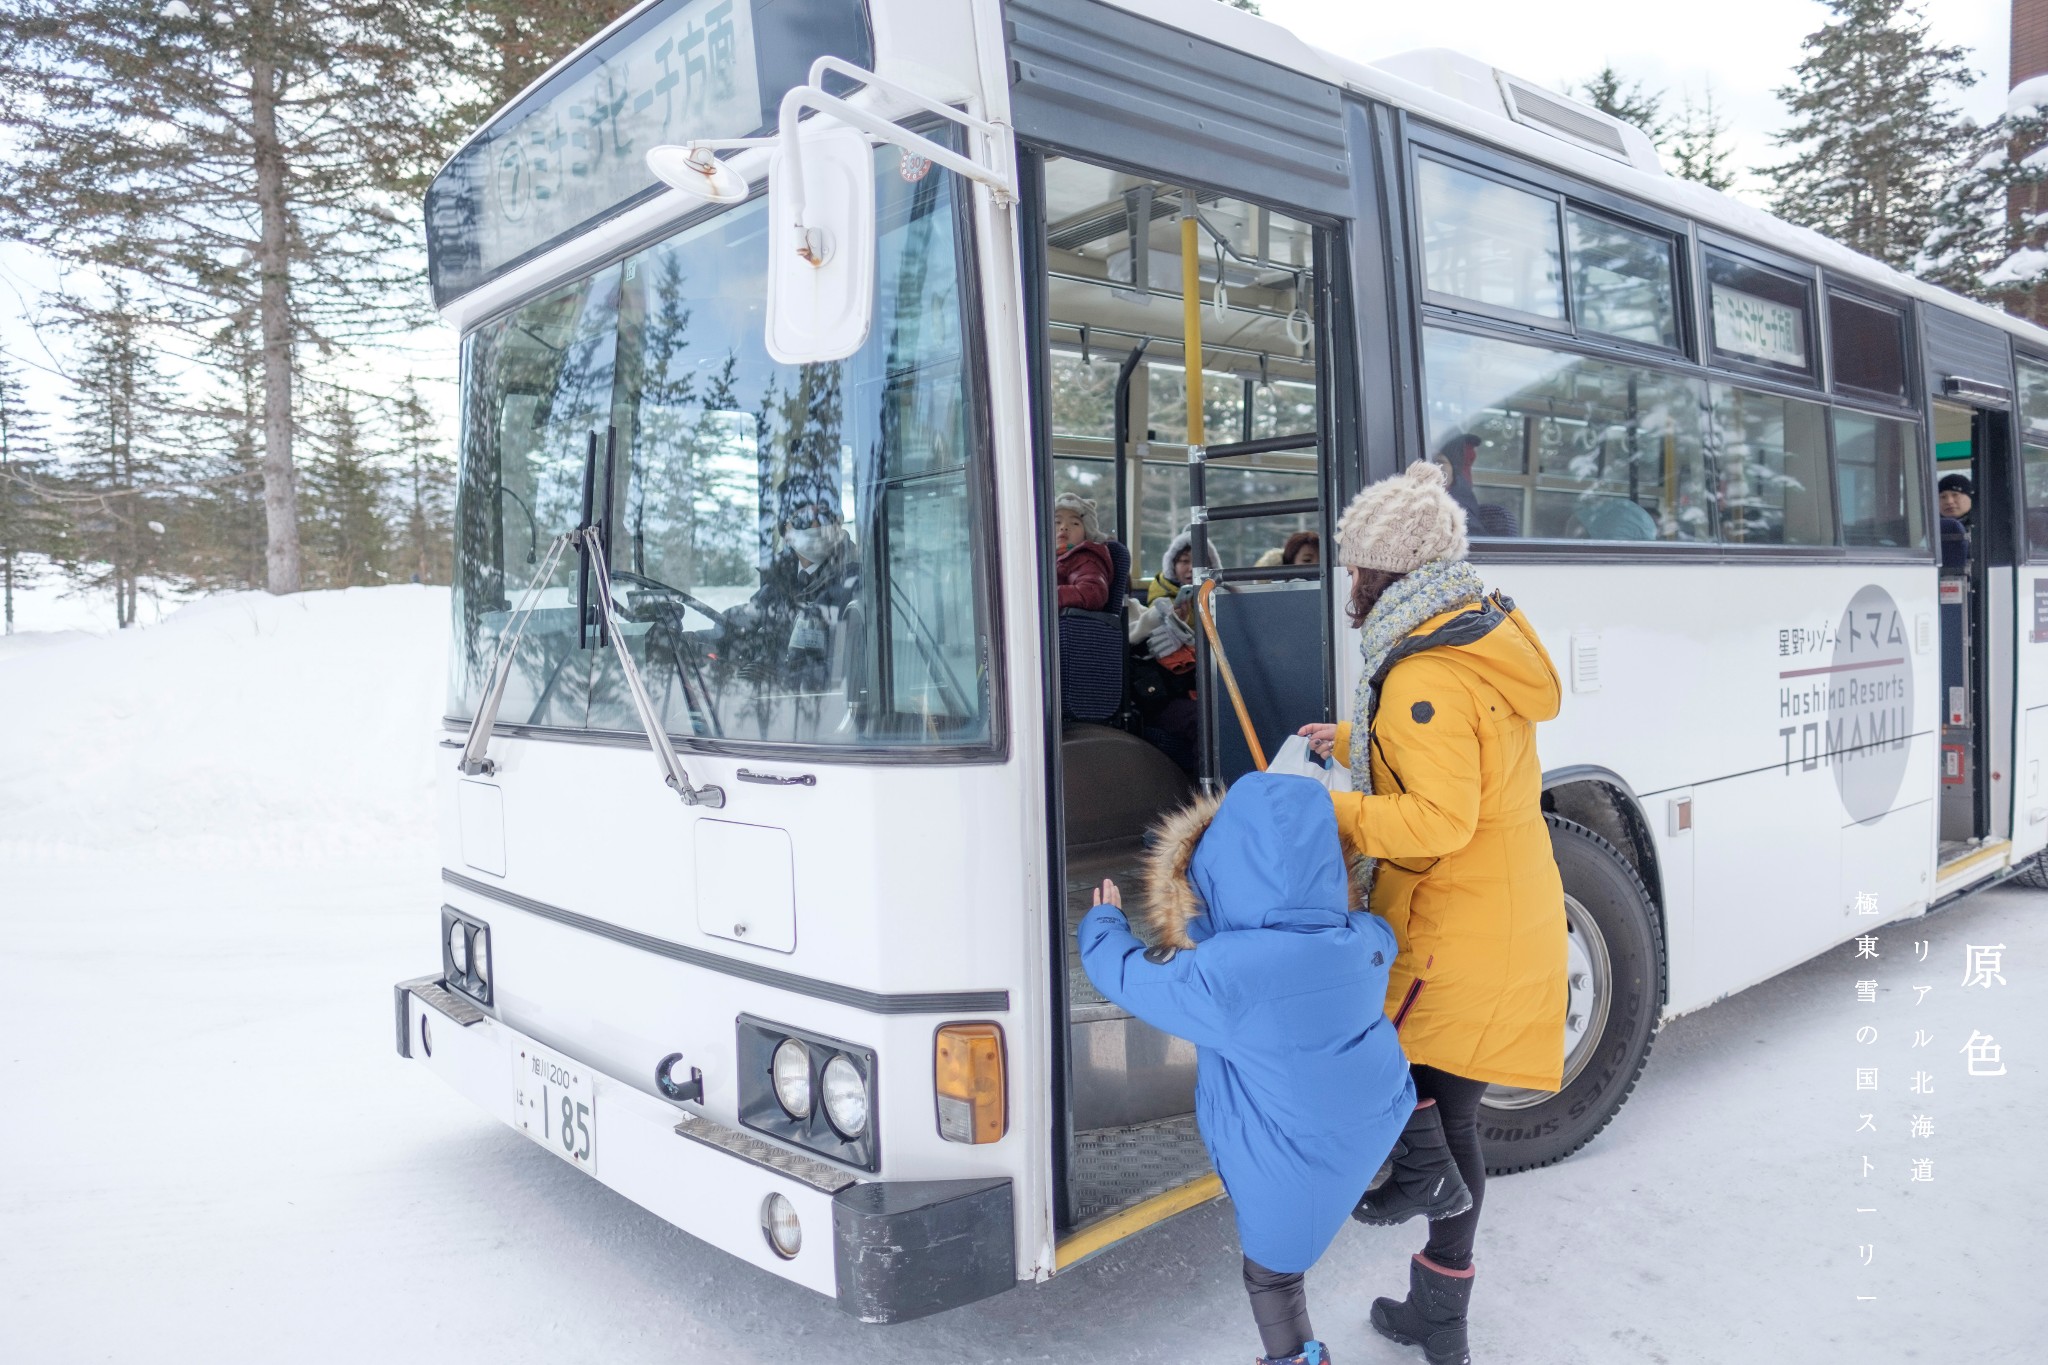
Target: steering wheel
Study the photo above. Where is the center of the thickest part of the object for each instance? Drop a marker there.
(666, 616)
(655, 585)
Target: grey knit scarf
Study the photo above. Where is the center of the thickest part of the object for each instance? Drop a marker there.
(1436, 587)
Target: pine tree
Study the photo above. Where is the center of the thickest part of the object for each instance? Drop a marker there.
(346, 496)
(510, 44)
(1625, 100)
(251, 160)
(1873, 135)
(1690, 141)
(1695, 146)
(30, 521)
(219, 529)
(118, 482)
(1990, 238)
(428, 474)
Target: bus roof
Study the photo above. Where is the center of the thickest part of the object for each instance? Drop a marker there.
(1391, 80)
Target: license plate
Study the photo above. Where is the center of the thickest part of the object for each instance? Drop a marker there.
(552, 1103)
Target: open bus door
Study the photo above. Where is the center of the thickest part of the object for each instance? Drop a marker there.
(1976, 609)
(1179, 331)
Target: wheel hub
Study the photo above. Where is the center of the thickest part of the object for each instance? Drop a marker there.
(1589, 977)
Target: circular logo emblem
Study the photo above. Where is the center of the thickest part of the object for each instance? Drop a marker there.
(1870, 703)
(913, 167)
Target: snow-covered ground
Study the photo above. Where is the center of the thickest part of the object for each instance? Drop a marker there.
(216, 856)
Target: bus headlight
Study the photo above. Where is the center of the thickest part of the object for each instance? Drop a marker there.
(846, 1097)
(466, 954)
(792, 1069)
(812, 1091)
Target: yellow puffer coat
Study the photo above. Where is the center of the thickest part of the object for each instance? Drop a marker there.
(1466, 875)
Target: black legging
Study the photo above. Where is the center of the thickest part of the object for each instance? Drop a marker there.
(1280, 1307)
(1457, 1103)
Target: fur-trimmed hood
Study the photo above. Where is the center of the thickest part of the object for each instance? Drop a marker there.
(1274, 861)
(1302, 1086)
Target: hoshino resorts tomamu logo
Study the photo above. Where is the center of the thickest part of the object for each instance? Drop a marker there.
(1854, 712)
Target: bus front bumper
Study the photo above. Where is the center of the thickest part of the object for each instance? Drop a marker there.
(898, 1249)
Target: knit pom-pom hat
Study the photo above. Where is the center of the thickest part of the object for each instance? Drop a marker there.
(1402, 523)
(1084, 508)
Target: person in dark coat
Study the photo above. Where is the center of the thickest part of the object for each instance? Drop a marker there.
(782, 638)
(1258, 959)
(1457, 456)
(1955, 495)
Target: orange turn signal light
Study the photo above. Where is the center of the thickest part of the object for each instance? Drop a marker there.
(967, 1074)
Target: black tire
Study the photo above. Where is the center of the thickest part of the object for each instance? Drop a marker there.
(1622, 913)
(2034, 872)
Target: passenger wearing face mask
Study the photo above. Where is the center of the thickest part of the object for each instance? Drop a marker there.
(783, 637)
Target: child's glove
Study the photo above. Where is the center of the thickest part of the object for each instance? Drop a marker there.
(1169, 636)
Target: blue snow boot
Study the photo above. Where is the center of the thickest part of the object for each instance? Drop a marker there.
(1433, 1314)
(1423, 1177)
(1312, 1353)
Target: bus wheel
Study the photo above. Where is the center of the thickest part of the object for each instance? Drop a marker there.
(1614, 968)
(2034, 872)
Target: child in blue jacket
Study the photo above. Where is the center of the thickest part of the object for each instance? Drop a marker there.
(1300, 1084)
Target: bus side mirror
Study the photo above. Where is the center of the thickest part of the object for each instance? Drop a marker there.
(821, 202)
(821, 244)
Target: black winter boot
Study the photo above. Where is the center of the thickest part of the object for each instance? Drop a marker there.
(1433, 1314)
(1424, 1178)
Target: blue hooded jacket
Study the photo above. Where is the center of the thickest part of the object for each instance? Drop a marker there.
(1300, 1084)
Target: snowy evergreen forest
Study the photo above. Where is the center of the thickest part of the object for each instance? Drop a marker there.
(231, 194)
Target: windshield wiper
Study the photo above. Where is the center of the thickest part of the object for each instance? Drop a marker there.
(475, 761)
(672, 772)
(590, 542)
(583, 560)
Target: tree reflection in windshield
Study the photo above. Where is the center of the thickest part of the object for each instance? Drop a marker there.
(791, 547)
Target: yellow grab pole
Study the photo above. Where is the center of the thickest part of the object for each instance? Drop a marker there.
(1191, 313)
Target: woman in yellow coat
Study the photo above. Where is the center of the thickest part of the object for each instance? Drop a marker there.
(1445, 809)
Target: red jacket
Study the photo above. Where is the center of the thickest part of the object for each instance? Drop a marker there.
(1083, 575)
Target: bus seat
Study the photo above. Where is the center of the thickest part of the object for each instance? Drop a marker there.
(1955, 544)
(1273, 635)
(1609, 516)
(1092, 649)
(1116, 786)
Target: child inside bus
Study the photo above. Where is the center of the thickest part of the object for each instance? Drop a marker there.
(1082, 566)
(1258, 959)
(1176, 569)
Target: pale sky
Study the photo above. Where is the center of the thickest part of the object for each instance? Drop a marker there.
(1746, 48)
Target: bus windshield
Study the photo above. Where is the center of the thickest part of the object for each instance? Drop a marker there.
(791, 547)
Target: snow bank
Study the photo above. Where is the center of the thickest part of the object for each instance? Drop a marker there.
(45, 600)
(245, 729)
(22, 641)
(2025, 264)
(2028, 95)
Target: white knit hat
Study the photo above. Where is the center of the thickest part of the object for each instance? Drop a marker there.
(1402, 523)
(1084, 508)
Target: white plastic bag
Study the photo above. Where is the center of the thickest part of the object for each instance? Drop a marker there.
(1298, 760)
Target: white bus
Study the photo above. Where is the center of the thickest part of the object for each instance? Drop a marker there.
(758, 457)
